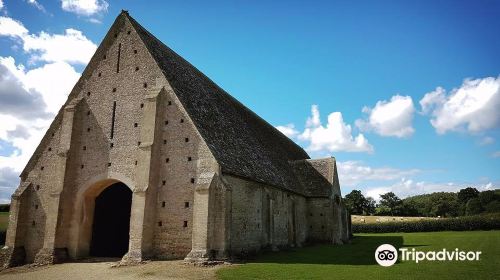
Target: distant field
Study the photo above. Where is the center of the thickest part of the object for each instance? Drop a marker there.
(356, 260)
(358, 219)
(4, 220)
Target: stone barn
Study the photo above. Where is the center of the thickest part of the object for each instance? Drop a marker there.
(150, 159)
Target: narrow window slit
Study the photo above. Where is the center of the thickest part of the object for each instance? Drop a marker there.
(118, 61)
(113, 120)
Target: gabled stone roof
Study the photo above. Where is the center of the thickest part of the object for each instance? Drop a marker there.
(243, 143)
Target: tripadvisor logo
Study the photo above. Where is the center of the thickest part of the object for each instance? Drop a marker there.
(387, 255)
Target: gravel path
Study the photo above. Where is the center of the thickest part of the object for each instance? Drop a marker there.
(104, 270)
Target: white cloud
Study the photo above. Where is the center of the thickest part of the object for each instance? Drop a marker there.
(1, 4)
(408, 187)
(471, 108)
(496, 154)
(84, 7)
(289, 130)
(36, 5)
(335, 136)
(390, 118)
(354, 173)
(71, 47)
(486, 141)
(11, 27)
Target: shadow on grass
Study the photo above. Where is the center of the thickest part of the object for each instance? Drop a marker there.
(361, 251)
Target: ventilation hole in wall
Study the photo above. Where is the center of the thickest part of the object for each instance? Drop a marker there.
(185, 224)
(109, 163)
(190, 159)
(88, 129)
(98, 75)
(53, 134)
(135, 162)
(104, 57)
(111, 145)
(136, 124)
(33, 223)
(186, 204)
(145, 85)
(163, 204)
(142, 105)
(135, 51)
(114, 89)
(258, 225)
(88, 113)
(84, 148)
(116, 35)
(186, 139)
(321, 214)
(167, 160)
(139, 143)
(160, 224)
(311, 227)
(258, 210)
(36, 206)
(164, 142)
(163, 182)
(41, 168)
(82, 166)
(182, 120)
(311, 214)
(37, 187)
(128, 32)
(322, 227)
(169, 103)
(192, 180)
(166, 122)
(50, 149)
(88, 93)
(137, 68)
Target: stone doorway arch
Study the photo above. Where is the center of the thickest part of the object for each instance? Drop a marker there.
(82, 225)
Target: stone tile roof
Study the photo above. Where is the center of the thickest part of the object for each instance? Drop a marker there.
(243, 143)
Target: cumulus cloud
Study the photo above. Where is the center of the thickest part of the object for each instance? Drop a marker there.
(472, 108)
(354, 173)
(389, 118)
(1, 4)
(336, 135)
(17, 100)
(408, 187)
(8, 181)
(84, 7)
(70, 47)
(496, 154)
(11, 27)
(289, 130)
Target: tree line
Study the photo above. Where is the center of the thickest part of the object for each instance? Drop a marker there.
(466, 202)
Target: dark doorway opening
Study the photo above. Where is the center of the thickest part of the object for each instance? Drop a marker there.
(110, 230)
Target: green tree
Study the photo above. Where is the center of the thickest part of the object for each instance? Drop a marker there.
(468, 193)
(391, 202)
(355, 202)
(473, 207)
(487, 197)
(493, 207)
(369, 207)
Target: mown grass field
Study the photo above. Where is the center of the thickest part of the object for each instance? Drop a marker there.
(359, 219)
(356, 260)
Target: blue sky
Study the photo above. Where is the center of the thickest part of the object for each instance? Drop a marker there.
(282, 57)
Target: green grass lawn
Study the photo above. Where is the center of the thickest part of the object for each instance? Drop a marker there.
(356, 260)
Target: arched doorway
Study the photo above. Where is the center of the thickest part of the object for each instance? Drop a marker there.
(111, 223)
